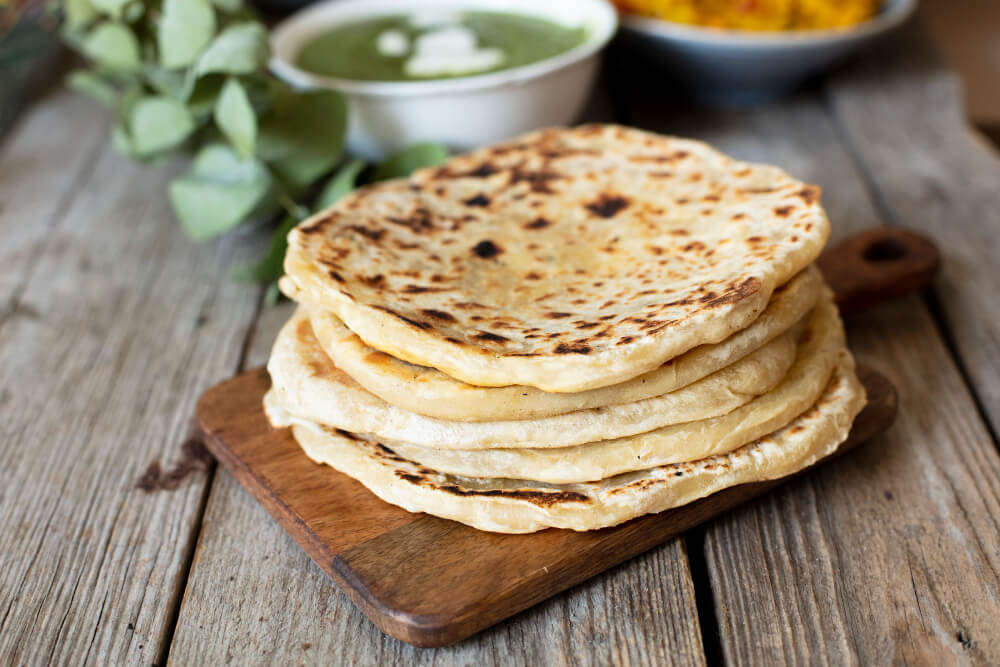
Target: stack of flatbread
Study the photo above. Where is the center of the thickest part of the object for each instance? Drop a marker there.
(569, 329)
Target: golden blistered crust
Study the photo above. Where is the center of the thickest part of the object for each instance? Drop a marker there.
(599, 241)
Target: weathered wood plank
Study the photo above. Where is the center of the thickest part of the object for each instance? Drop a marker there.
(120, 322)
(902, 113)
(821, 571)
(889, 555)
(254, 597)
(43, 160)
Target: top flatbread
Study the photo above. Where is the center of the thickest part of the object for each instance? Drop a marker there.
(564, 260)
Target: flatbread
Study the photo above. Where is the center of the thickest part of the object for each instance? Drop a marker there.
(820, 346)
(564, 260)
(517, 506)
(316, 390)
(430, 392)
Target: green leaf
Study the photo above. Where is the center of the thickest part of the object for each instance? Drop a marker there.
(90, 84)
(172, 83)
(112, 8)
(218, 192)
(130, 96)
(79, 13)
(205, 95)
(303, 134)
(340, 184)
(239, 49)
(184, 31)
(113, 45)
(235, 117)
(134, 11)
(158, 123)
(271, 266)
(408, 160)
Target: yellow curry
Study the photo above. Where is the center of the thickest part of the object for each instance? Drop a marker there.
(757, 14)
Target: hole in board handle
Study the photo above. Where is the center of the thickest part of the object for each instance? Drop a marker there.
(884, 250)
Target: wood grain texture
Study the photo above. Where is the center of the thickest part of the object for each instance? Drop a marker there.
(851, 564)
(901, 112)
(642, 611)
(261, 601)
(43, 163)
(116, 323)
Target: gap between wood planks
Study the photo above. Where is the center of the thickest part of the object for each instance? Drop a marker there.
(694, 540)
(192, 546)
(930, 297)
(708, 619)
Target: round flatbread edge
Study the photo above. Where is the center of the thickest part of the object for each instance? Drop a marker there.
(429, 392)
(510, 506)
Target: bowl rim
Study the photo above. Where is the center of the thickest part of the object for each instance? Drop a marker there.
(892, 14)
(283, 39)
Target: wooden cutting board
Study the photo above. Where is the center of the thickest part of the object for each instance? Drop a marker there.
(432, 582)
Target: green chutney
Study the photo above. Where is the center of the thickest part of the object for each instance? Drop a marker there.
(350, 51)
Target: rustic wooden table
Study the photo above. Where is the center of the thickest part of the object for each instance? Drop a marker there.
(115, 323)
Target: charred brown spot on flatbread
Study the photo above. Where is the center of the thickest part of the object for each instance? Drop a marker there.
(537, 223)
(356, 438)
(573, 348)
(539, 181)
(540, 498)
(483, 170)
(411, 322)
(375, 282)
(422, 289)
(486, 249)
(419, 222)
(425, 477)
(736, 292)
(367, 232)
(438, 315)
(810, 194)
(490, 337)
(479, 200)
(608, 205)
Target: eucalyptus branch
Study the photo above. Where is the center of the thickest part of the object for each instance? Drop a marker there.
(190, 76)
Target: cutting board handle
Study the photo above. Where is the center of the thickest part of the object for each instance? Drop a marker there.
(877, 265)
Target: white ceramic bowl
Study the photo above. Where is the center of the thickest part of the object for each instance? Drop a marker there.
(465, 112)
(745, 67)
